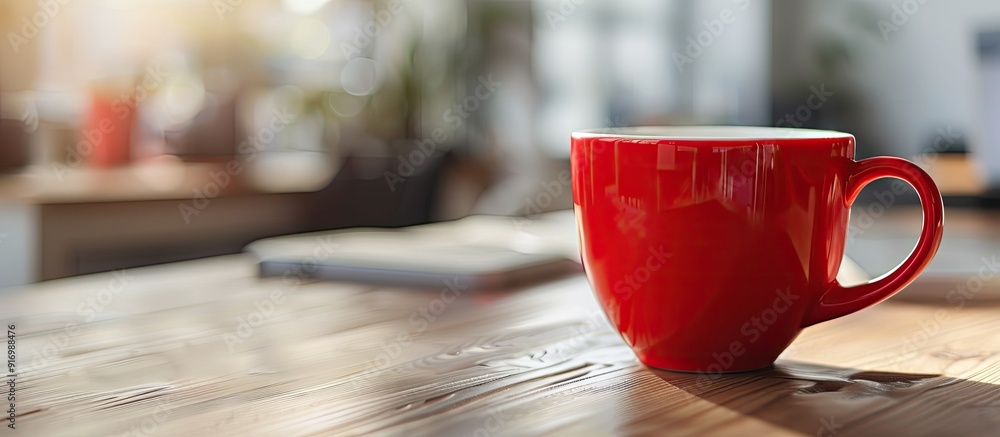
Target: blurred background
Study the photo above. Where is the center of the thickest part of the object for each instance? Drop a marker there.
(137, 132)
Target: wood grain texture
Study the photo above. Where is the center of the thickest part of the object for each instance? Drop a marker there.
(328, 358)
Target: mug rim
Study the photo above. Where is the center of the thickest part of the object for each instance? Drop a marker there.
(711, 133)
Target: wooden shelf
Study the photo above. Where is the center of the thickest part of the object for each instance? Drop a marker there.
(139, 182)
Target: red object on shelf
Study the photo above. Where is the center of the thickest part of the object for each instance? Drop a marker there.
(107, 131)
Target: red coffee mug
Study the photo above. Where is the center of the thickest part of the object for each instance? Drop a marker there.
(711, 248)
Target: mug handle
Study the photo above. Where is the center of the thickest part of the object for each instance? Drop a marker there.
(840, 301)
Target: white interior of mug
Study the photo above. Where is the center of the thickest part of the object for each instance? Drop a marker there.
(709, 133)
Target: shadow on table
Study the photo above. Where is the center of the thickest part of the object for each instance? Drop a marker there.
(827, 401)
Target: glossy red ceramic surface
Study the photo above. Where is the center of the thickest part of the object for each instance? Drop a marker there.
(710, 250)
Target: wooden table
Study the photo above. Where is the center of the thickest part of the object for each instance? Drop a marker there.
(206, 348)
